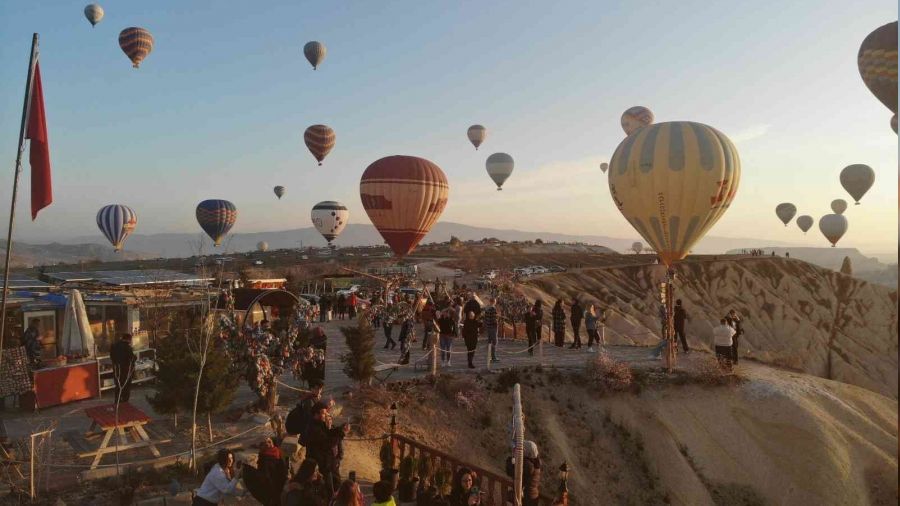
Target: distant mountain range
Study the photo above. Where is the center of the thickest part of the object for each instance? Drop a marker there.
(179, 245)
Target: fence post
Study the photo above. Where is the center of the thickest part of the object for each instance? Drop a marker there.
(31, 473)
(541, 351)
(434, 359)
(488, 358)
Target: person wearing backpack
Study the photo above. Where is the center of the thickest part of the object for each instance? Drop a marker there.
(299, 418)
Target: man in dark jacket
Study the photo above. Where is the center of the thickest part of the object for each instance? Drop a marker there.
(473, 306)
(320, 439)
(734, 320)
(679, 318)
(575, 317)
(121, 354)
(31, 340)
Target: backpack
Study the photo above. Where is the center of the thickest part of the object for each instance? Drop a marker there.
(297, 421)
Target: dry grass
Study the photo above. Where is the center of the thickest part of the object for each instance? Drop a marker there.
(608, 375)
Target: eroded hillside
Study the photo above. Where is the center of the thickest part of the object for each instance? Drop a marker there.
(796, 314)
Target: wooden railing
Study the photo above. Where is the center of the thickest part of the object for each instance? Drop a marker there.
(497, 489)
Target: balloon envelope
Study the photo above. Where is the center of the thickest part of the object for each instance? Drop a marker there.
(116, 222)
(329, 218)
(216, 217)
(833, 227)
(476, 134)
(279, 191)
(672, 182)
(262, 246)
(314, 52)
(857, 179)
(838, 206)
(877, 61)
(136, 43)
(805, 222)
(319, 140)
(404, 196)
(499, 167)
(93, 13)
(637, 247)
(636, 117)
(785, 212)
(604, 167)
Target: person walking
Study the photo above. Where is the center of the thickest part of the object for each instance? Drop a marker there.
(679, 318)
(388, 326)
(122, 356)
(221, 480)
(472, 305)
(736, 322)
(470, 335)
(591, 323)
(447, 329)
(558, 314)
(722, 341)
(491, 322)
(575, 316)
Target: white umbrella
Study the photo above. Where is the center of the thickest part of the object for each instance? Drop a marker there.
(77, 337)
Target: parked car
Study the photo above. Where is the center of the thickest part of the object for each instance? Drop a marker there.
(522, 271)
(310, 297)
(538, 269)
(458, 273)
(414, 292)
(490, 275)
(258, 262)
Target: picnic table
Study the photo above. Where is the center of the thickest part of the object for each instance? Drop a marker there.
(130, 420)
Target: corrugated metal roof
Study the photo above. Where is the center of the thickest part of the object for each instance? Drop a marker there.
(129, 278)
(20, 281)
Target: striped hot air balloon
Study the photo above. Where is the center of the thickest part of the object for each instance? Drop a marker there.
(329, 218)
(279, 191)
(877, 61)
(319, 140)
(116, 222)
(477, 134)
(315, 52)
(636, 117)
(404, 196)
(136, 43)
(216, 217)
(93, 13)
(672, 182)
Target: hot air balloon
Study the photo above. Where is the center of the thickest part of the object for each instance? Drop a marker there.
(637, 246)
(838, 206)
(136, 43)
(672, 182)
(319, 140)
(93, 13)
(636, 117)
(403, 196)
(833, 227)
(216, 217)
(477, 134)
(894, 123)
(329, 218)
(279, 191)
(315, 53)
(604, 167)
(805, 222)
(116, 222)
(262, 246)
(786, 212)
(857, 179)
(877, 61)
(499, 167)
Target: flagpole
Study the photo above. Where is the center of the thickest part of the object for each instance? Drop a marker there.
(12, 206)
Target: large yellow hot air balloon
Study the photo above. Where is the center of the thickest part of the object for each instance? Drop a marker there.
(877, 61)
(672, 182)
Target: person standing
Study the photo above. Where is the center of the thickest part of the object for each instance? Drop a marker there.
(735, 321)
(320, 445)
(472, 306)
(591, 322)
(470, 334)
(447, 329)
(458, 314)
(722, 340)
(121, 354)
(352, 302)
(31, 340)
(679, 318)
(558, 314)
(537, 323)
(575, 316)
(341, 306)
(429, 327)
(491, 321)
(389, 330)
(406, 334)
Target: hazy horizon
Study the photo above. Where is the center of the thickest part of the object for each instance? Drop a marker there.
(218, 109)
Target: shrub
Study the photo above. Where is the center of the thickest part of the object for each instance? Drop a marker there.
(359, 361)
(608, 374)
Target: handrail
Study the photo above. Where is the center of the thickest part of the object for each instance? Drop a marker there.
(497, 489)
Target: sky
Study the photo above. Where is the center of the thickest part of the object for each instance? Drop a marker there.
(219, 107)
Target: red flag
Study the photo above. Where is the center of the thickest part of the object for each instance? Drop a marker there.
(39, 154)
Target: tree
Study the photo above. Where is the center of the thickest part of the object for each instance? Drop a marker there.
(539, 241)
(847, 267)
(359, 361)
(455, 242)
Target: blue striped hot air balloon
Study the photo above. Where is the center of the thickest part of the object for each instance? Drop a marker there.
(216, 217)
(116, 222)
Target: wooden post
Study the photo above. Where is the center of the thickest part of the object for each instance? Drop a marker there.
(434, 357)
(488, 357)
